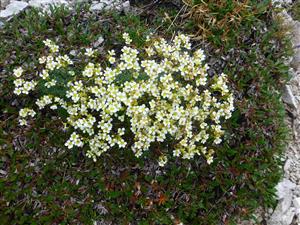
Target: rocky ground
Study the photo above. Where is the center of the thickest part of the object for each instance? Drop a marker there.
(287, 211)
(288, 190)
(12, 7)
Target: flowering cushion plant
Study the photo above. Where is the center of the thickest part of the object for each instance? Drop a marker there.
(161, 95)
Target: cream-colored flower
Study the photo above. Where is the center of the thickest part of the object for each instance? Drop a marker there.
(89, 52)
(18, 72)
(127, 38)
(166, 95)
(162, 160)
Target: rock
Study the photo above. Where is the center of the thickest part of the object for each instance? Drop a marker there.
(287, 165)
(296, 203)
(13, 8)
(296, 45)
(3, 172)
(124, 6)
(288, 97)
(98, 42)
(1, 24)
(284, 187)
(282, 2)
(42, 3)
(288, 217)
(279, 218)
(104, 4)
(73, 52)
(110, 4)
(4, 3)
(295, 33)
(296, 192)
(285, 203)
(282, 209)
(297, 213)
(284, 212)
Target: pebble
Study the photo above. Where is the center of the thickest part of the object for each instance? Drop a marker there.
(73, 53)
(99, 41)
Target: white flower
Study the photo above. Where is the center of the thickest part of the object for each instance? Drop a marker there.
(42, 60)
(18, 72)
(44, 74)
(26, 111)
(54, 48)
(22, 122)
(47, 42)
(127, 38)
(53, 107)
(162, 160)
(17, 91)
(50, 83)
(89, 52)
(176, 152)
(74, 140)
(162, 97)
(18, 82)
(111, 56)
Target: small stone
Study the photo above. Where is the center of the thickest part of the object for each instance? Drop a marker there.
(73, 52)
(13, 8)
(1, 24)
(3, 172)
(288, 97)
(124, 6)
(98, 42)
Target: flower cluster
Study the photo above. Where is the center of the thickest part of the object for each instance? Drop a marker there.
(164, 98)
(22, 86)
(25, 112)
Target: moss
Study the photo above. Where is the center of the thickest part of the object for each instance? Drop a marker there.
(48, 184)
